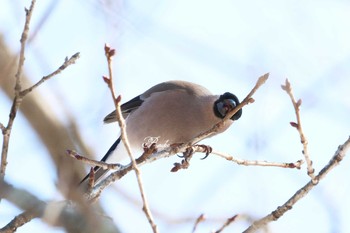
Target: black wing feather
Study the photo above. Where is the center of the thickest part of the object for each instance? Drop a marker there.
(126, 109)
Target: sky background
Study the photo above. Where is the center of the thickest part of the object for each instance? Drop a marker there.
(224, 46)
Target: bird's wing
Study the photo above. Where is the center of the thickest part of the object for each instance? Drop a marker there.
(125, 108)
(136, 102)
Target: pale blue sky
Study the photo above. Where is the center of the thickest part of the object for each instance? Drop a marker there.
(225, 46)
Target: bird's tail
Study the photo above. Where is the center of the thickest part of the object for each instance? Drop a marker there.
(99, 172)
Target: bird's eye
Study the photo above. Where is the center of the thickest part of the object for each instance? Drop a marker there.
(225, 106)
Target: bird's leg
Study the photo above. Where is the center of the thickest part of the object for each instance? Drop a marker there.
(185, 163)
(147, 151)
(204, 149)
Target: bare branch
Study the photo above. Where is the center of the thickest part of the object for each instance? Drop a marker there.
(23, 41)
(109, 54)
(296, 104)
(69, 217)
(302, 192)
(247, 100)
(227, 223)
(200, 219)
(104, 165)
(228, 157)
(18, 221)
(18, 99)
(67, 62)
(204, 149)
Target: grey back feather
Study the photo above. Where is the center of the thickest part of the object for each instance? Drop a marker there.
(132, 105)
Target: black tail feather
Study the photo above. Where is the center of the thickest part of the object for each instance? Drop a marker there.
(99, 172)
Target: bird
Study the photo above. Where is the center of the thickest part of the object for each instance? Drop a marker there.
(168, 113)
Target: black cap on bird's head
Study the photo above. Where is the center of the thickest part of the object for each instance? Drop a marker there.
(226, 103)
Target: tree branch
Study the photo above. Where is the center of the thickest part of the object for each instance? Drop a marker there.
(109, 54)
(104, 165)
(302, 192)
(178, 148)
(244, 162)
(18, 99)
(227, 223)
(200, 219)
(67, 62)
(18, 221)
(296, 104)
(23, 41)
(61, 214)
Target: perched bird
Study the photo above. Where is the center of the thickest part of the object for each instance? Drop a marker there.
(167, 113)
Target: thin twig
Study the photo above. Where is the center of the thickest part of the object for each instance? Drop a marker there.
(23, 41)
(18, 99)
(247, 100)
(227, 223)
(67, 62)
(6, 131)
(109, 54)
(244, 162)
(104, 165)
(200, 219)
(302, 192)
(19, 94)
(296, 104)
(204, 149)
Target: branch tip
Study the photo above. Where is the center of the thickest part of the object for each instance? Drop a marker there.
(263, 78)
(287, 87)
(251, 100)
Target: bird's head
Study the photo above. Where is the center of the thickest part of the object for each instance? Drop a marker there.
(225, 104)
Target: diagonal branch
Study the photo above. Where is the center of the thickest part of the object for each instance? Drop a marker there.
(227, 223)
(247, 100)
(97, 190)
(68, 216)
(67, 62)
(302, 192)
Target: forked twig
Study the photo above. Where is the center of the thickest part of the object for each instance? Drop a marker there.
(17, 101)
(19, 94)
(6, 131)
